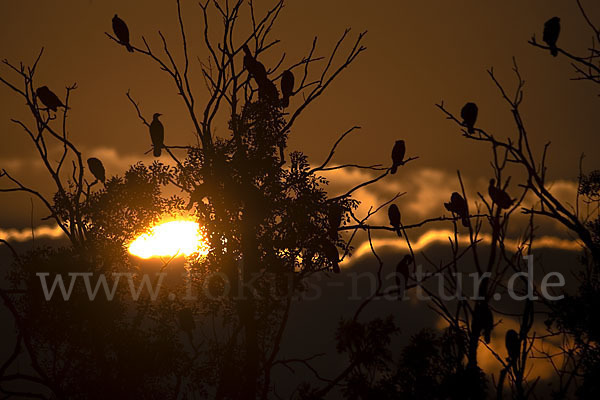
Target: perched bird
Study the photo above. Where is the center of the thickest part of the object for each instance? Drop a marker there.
(196, 196)
(483, 320)
(287, 87)
(255, 68)
(394, 216)
(186, 320)
(469, 116)
(499, 196)
(267, 91)
(335, 220)
(551, 33)
(458, 206)
(332, 255)
(97, 169)
(513, 346)
(48, 98)
(483, 287)
(157, 134)
(398, 153)
(402, 269)
(122, 32)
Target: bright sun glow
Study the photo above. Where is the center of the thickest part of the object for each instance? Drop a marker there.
(170, 239)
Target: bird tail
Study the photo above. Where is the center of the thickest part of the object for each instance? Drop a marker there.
(554, 51)
(157, 151)
(129, 48)
(285, 101)
(471, 130)
(399, 231)
(393, 169)
(465, 222)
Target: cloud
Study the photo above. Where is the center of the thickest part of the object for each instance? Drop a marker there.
(435, 236)
(24, 235)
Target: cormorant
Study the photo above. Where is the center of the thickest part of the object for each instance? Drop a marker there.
(97, 169)
(335, 220)
(458, 206)
(287, 87)
(499, 196)
(551, 33)
(256, 69)
(157, 134)
(48, 98)
(122, 32)
(469, 116)
(394, 216)
(403, 269)
(398, 153)
(513, 346)
(483, 320)
(332, 255)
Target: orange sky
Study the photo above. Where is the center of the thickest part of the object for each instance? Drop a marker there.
(419, 52)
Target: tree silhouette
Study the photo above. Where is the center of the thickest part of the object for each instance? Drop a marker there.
(271, 225)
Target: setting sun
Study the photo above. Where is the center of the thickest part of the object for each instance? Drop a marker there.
(170, 239)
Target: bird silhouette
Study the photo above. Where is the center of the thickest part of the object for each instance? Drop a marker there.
(48, 98)
(97, 169)
(469, 116)
(483, 287)
(513, 346)
(499, 196)
(267, 91)
(157, 134)
(335, 220)
(398, 153)
(186, 320)
(458, 206)
(394, 216)
(122, 32)
(332, 255)
(196, 196)
(483, 320)
(402, 269)
(255, 68)
(287, 87)
(551, 33)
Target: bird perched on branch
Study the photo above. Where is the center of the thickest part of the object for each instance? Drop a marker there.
(335, 220)
(287, 87)
(513, 346)
(499, 196)
(332, 255)
(197, 195)
(398, 153)
(551, 33)
(267, 90)
(157, 134)
(122, 32)
(469, 116)
(458, 206)
(97, 169)
(394, 216)
(48, 98)
(402, 269)
(255, 68)
(483, 320)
